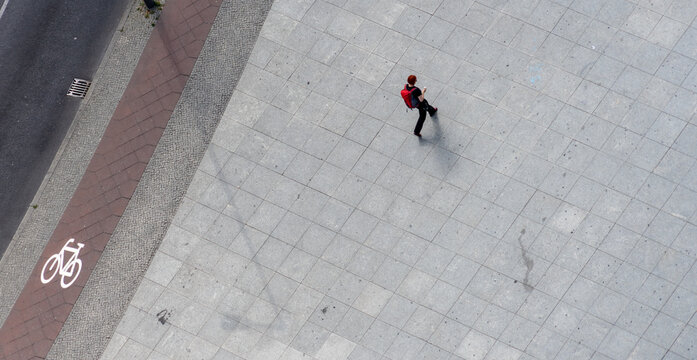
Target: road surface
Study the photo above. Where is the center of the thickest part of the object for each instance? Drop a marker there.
(43, 46)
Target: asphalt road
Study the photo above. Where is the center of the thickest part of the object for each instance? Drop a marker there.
(43, 46)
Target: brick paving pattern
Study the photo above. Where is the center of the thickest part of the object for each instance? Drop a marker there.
(112, 175)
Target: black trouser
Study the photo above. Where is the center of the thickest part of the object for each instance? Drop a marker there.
(423, 108)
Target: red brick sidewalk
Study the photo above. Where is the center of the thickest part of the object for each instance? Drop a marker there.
(112, 175)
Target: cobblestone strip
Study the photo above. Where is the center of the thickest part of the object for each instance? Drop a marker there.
(112, 175)
(161, 190)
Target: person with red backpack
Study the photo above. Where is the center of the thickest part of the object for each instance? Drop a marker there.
(414, 98)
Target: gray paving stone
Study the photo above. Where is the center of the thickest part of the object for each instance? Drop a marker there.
(283, 63)
(545, 344)
(647, 349)
(631, 82)
(686, 139)
(657, 93)
(354, 325)
(641, 21)
(379, 336)
(478, 18)
(556, 281)
(648, 154)
(132, 350)
(449, 335)
(685, 344)
(548, 244)
(559, 182)
(563, 131)
(577, 157)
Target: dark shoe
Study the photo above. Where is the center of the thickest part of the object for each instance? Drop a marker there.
(434, 112)
(417, 134)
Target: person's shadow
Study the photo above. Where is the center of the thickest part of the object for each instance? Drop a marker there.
(438, 131)
(442, 150)
(437, 134)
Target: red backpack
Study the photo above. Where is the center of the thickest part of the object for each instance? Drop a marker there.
(409, 98)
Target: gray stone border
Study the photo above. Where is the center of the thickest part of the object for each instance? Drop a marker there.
(73, 156)
(127, 256)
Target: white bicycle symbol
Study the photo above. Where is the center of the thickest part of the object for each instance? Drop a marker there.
(68, 270)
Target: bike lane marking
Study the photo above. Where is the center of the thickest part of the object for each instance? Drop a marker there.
(58, 266)
(112, 175)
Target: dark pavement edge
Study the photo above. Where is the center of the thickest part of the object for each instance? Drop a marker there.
(73, 155)
(164, 183)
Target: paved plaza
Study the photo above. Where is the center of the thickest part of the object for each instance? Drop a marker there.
(548, 212)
